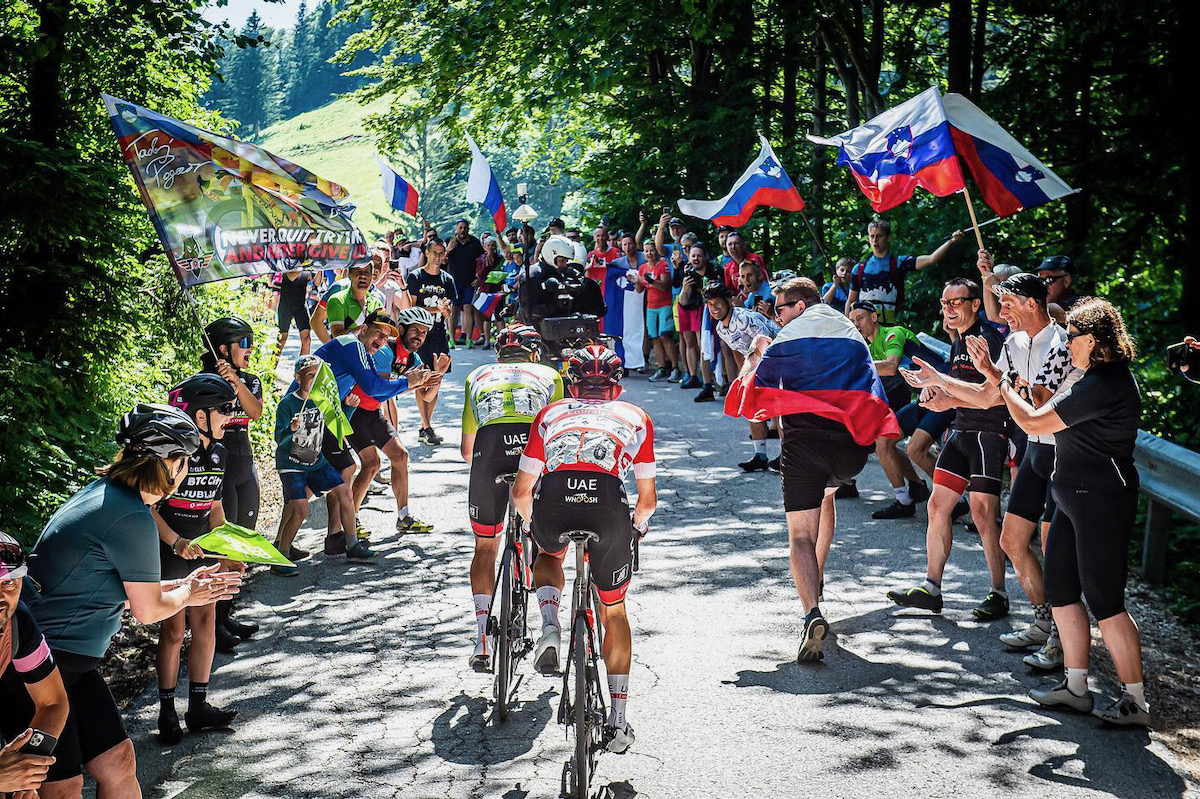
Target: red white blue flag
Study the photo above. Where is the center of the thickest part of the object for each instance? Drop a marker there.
(763, 183)
(487, 303)
(904, 147)
(1009, 178)
(399, 192)
(482, 187)
(818, 364)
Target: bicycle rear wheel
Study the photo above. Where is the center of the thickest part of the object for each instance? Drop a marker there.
(583, 721)
(504, 650)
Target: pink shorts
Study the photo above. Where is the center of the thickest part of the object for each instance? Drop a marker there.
(689, 319)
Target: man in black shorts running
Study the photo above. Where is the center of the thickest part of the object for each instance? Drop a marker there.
(829, 428)
(973, 457)
(293, 308)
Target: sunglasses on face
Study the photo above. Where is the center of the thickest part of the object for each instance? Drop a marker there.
(784, 305)
(245, 342)
(957, 302)
(1050, 280)
(1075, 335)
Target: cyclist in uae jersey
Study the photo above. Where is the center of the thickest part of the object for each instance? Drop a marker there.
(579, 451)
(500, 400)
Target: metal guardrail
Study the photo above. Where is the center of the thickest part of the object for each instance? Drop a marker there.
(1170, 479)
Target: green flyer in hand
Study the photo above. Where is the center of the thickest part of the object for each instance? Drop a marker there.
(234, 542)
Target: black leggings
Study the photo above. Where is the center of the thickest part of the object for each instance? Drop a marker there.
(1087, 549)
(239, 493)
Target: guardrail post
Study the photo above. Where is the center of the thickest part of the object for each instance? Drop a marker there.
(1154, 548)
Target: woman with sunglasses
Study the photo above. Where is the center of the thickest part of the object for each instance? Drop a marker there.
(233, 340)
(95, 557)
(194, 509)
(1095, 485)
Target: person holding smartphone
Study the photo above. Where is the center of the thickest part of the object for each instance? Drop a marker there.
(31, 689)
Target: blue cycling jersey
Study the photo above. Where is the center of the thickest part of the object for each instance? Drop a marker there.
(351, 366)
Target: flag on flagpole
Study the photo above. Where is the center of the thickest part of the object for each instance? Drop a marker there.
(487, 303)
(325, 395)
(1009, 177)
(902, 148)
(763, 183)
(234, 542)
(399, 192)
(225, 208)
(818, 364)
(482, 187)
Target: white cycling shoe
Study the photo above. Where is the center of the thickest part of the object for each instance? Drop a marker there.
(1023, 639)
(481, 660)
(545, 658)
(618, 740)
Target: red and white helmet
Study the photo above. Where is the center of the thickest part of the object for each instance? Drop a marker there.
(518, 338)
(595, 371)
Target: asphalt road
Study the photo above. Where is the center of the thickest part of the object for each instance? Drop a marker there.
(358, 683)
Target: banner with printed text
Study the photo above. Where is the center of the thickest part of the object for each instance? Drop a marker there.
(224, 208)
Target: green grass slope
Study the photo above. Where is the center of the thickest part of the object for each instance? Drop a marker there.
(332, 141)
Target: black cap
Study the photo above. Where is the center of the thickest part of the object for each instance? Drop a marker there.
(864, 305)
(1024, 284)
(675, 221)
(1058, 263)
(556, 222)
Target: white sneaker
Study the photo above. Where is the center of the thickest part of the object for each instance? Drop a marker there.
(481, 660)
(1030, 636)
(1048, 658)
(545, 657)
(617, 740)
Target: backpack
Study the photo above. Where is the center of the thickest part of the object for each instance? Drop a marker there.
(897, 280)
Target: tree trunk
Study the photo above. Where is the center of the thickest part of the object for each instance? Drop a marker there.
(958, 48)
(977, 63)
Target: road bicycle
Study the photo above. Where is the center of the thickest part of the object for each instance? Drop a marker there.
(510, 629)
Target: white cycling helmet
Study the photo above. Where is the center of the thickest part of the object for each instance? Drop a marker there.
(581, 253)
(782, 276)
(415, 316)
(558, 245)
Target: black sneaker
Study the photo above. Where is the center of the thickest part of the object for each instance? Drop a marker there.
(242, 629)
(813, 641)
(847, 490)
(994, 606)
(897, 510)
(961, 509)
(706, 395)
(226, 641)
(296, 553)
(360, 551)
(432, 438)
(758, 463)
(917, 597)
(169, 731)
(335, 544)
(207, 717)
(919, 491)
(774, 465)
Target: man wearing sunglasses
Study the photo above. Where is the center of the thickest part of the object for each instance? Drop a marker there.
(973, 457)
(1058, 273)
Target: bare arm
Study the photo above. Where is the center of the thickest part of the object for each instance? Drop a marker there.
(658, 234)
(851, 298)
(50, 698)
(151, 602)
(522, 494)
(940, 253)
(317, 321)
(1034, 421)
(647, 501)
(468, 447)
(888, 367)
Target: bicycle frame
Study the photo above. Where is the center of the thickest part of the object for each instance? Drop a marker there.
(511, 628)
(587, 713)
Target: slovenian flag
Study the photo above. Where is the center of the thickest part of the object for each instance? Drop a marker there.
(763, 183)
(487, 304)
(818, 364)
(1009, 178)
(399, 192)
(625, 320)
(483, 188)
(904, 147)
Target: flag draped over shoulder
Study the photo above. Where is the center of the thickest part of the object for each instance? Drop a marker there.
(482, 187)
(763, 183)
(904, 147)
(818, 364)
(625, 319)
(224, 208)
(325, 395)
(1009, 177)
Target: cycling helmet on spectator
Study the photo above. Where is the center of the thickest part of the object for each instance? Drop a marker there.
(415, 316)
(227, 330)
(13, 563)
(517, 339)
(594, 372)
(203, 392)
(717, 291)
(159, 430)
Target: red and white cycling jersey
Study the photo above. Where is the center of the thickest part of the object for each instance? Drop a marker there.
(590, 436)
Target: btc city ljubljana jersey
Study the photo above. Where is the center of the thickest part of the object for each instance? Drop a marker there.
(508, 393)
(591, 436)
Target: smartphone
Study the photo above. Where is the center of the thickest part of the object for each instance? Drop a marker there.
(1180, 355)
(40, 743)
(666, 209)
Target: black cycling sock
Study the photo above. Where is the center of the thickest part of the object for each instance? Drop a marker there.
(166, 700)
(197, 694)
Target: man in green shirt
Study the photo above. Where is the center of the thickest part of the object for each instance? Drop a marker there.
(347, 309)
(887, 345)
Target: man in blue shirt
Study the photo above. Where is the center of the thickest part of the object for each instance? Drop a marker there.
(880, 278)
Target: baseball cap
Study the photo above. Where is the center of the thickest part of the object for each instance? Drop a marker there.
(864, 305)
(675, 221)
(383, 320)
(1023, 284)
(306, 361)
(557, 222)
(1058, 263)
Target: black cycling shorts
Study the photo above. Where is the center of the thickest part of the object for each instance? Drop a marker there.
(339, 456)
(974, 459)
(371, 429)
(498, 449)
(94, 723)
(1031, 498)
(1087, 549)
(290, 311)
(579, 500)
(813, 460)
(898, 392)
